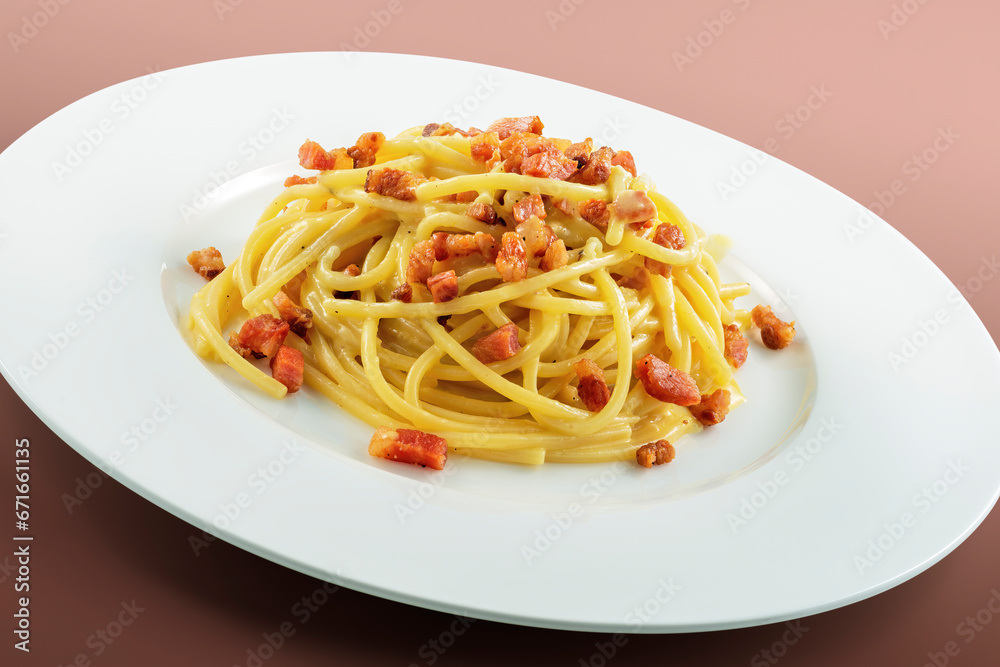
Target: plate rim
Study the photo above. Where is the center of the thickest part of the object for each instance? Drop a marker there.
(120, 475)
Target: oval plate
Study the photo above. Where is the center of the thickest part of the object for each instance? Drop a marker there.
(846, 473)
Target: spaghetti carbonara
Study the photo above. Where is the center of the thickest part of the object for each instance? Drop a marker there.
(517, 297)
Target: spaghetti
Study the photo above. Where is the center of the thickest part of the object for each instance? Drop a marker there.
(526, 299)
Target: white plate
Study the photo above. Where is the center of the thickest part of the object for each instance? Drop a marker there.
(849, 471)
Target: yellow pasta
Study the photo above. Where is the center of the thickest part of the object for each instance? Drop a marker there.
(392, 351)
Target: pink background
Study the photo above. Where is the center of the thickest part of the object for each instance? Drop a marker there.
(892, 88)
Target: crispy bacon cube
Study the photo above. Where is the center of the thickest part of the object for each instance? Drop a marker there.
(561, 144)
(504, 127)
(485, 148)
(666, 383)
(487, 246)
(440, 241)
(555, 256)
(625, 160)
(633, 206)
(774, 333)
(580, 151)
(365, 148)
(288, 367)
(430, 129)
(462, 245)
(565, 205)
(712, 408)
(593, 389)
(421, 262)
(443, 286)
(459, 197)
(466, 197)
(596, 168)
(242, 350)
(299, 319)
(402, 293)
(341, 160)
(453, 245)
(312, 156)
(409, 446)
(520, 146)
(207, 262)
(668, 236)
(482, 212)
(497, 346)
(549, 164)
(655, 453)
(441, 130)
(512, 262)
(299, 180)
(532, 205)
(595, 211)
(536, 235)
(736, 345)
(395, 183)
(263, 334)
